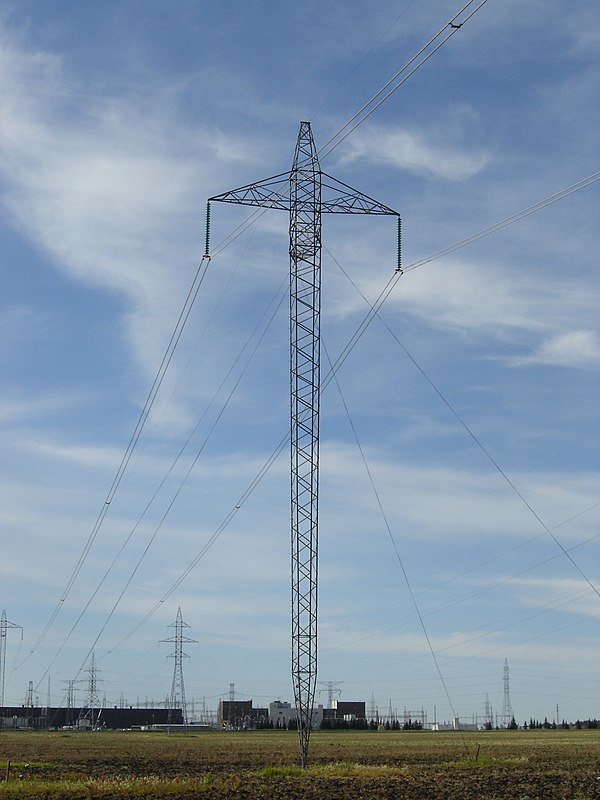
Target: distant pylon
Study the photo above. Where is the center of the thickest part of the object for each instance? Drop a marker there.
(29, 697)
(70, 692)
(373, 707)
(91, 710)
(306, 193)
(507, 712)
(331, 690)
(177, 696)
(5, 626)
(488, 714)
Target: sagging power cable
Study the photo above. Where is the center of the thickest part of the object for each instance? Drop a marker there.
(142, 419)
(395, 547)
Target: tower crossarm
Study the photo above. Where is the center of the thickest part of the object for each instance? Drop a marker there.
(339, 198)
(271, 192)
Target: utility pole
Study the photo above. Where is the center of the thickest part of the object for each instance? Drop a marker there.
(5, 626)
(177, 686)
(305, 192)
(507, 712)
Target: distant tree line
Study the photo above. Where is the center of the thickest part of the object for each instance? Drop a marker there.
(586, 724)
(370, 725)
(416, 725)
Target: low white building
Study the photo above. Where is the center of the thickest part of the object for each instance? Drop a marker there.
(284, 713)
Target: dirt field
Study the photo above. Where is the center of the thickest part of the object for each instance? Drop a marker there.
(520, 765)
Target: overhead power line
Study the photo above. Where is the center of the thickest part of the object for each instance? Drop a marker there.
(154, 389)
(401, 76)
(396, 550)
(264, 323)
(368, 108)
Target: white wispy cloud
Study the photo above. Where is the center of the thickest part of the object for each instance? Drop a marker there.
(444, 501)
(571, 595)
(18, 407)
(515, 305)
(415, 151)
(574, 349)
(112, 192)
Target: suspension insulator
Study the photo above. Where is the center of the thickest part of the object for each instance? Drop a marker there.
(207, 239)
(399, 265)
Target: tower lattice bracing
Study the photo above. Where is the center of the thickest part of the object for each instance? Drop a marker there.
(177, 696)
(305, 192)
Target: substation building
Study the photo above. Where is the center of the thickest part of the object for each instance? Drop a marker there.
(346, 710)
(40, 718)
(240, 714)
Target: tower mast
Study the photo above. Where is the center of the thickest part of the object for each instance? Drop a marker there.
(306, 193)
(305, 319)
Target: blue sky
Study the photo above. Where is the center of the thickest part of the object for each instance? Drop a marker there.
(117, 122)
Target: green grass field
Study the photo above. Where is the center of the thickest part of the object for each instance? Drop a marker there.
(520, 765)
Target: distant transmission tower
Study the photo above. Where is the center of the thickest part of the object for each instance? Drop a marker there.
(177, 696)
(91, 710)
(488, 713)
(29, 704)
(507, 712)
(70, 699)
(5, 626)
(373, 711)
(306, 193)
(331, 690)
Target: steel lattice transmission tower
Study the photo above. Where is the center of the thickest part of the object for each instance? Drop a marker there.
(330, 688)
(305, 192)
(5, 626)
(488, 714)
(92, 707)
(177, 687)
(70, 699)
(507, 712)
